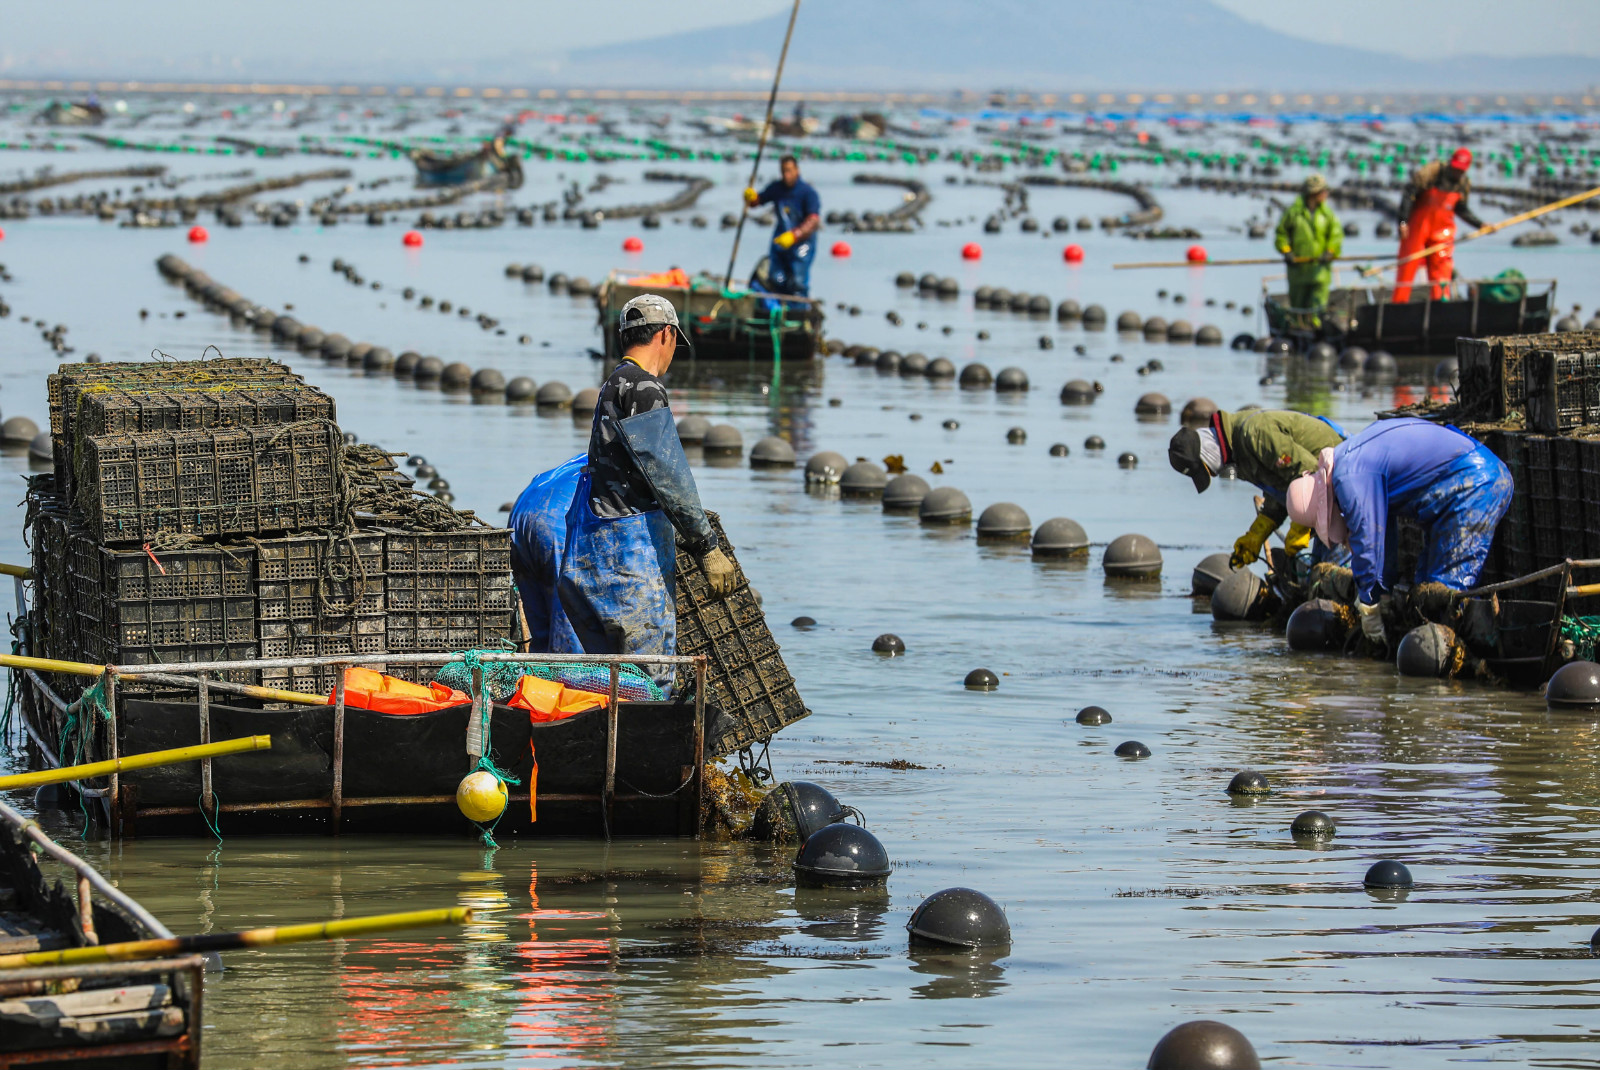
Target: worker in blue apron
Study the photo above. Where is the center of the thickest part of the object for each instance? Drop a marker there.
(616, 583)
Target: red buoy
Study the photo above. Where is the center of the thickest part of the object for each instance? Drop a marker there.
(2, 234)
(198, 235)
(1073, 254)
(841, 249)
(412, 239)
(632, 244)
(972, 251)
(1196, 254)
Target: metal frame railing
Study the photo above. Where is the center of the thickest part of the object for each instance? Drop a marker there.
(198, 676)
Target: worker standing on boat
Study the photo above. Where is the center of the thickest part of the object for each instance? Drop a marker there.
(1309, 239)
(1269, 449)
(1431, 473)
(1435, 196)
(799, 214)
(618, 566)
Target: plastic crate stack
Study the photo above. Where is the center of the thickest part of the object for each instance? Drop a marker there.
(210, 511)
(1536, 400)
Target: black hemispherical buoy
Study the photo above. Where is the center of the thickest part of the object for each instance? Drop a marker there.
(913, 365)
(1093, 715)
(940, 369)
(905, 280)
(841, 855)
(981, 680)
(1078, 392)
(521, 390)
(555, 395)
(18, 431)
(1068, 310)
(1127, 460)
(1576, 685)
(1197, 412)
(1313, 823)
(1152, 405)
(1248, 782)
(1204, 1045)
(945, 505)
(42, 448)
(1060, 537)
(1208, 335)
(959, 918)
(1011, 381)
(1094, 443)
(585, 401)
(405, 365)
(1427, 650)
(890, 644)
(1212, 570)
(1132, 749)
(1320, 624)
(1004, 520)
(428, 370)
(951, 424)
(803, 622)
(1387, 874)
(976, 376)
(484, 380)
(772, 452)
(692, 429)
(1130, 321)
(1381, 366)
(904, 493)
(794, 810)
(1059, 449)
(720, 439)
(825, 467)
(1240, 596)
(864, 479)
(1094, 317)
(1017, 436)
(1132, 555)
(456, 377)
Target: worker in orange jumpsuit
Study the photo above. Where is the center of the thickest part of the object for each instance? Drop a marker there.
(1436, 195)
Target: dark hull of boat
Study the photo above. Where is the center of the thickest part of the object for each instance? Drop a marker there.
(400, 772)
(1418, 327)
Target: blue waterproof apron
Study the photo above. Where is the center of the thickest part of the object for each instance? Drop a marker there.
(538, 538)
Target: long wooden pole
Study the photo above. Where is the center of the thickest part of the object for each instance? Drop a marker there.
(1250, 261)
(83, 668)
(134, 950)
(761, 144)
(135, 761)
(1483, 231)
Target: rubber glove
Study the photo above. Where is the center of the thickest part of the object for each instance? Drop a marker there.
(1247, 548)
(751, 196)
(1288, 260)
(1298, 540)
(785, 240)
(719, 572)
(1327, 258)
(1372, 623)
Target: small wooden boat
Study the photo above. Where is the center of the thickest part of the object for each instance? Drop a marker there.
(1370, 318)
(73, 113)
(113, 1015)
(733, 324)
(457, 169)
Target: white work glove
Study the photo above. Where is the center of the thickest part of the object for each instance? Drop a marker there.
(1372, 623)
(719, 572)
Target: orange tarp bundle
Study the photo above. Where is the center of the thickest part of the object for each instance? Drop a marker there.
(370, 690)
(550, 700)
(677, 279)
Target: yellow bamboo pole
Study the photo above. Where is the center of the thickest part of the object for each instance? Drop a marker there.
(83, 668)
(20, 571)
(1254, 261)
(135, 761)
(1490, 228)
(134, 950)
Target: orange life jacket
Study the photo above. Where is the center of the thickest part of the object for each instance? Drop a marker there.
(676, 279)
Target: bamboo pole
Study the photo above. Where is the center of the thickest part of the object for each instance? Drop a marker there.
(83, 668)
(1255, 261)
(761, 144)
(147, 760)
(1490, 228)
(21, 572)
(134, 950)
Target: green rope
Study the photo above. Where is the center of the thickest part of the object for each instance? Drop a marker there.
(1584, 632)
(210, 823)
(473, 660)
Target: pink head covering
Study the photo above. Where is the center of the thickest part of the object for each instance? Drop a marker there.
(1312, 503)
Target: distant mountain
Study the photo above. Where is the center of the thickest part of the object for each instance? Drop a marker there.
(1043, 45)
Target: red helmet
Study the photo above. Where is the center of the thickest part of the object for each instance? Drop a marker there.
(1461, 159)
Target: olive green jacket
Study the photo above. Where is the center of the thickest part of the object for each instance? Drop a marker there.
(1306, 235)
(1273, 448)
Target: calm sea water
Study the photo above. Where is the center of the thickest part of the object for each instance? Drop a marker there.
(1140, 895)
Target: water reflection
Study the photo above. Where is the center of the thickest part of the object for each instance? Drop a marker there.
(963, 975)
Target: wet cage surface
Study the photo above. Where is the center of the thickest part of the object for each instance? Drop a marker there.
(1139, 893)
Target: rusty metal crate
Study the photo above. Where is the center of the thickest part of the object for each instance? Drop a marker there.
(746, 676)
(245, 481)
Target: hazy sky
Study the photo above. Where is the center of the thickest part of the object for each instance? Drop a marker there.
(201, 37)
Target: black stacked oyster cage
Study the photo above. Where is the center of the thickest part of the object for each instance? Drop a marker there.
(1534, 400)
(213, 511)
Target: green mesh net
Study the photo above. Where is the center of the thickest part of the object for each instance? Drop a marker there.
(500, 678)
(1584, 632)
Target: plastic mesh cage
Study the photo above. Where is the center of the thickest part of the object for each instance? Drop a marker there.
(1493, 377)
(246, 481)
(55, 625)
(1563, 389)
(447, 591)
(317, 596)
(745, 674)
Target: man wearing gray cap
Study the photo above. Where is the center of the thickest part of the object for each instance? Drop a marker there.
(617, 583)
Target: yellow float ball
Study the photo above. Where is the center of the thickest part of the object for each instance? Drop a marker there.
(481, 796)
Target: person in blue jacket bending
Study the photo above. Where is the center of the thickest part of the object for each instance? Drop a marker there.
(1431, 473)
(798, 210)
